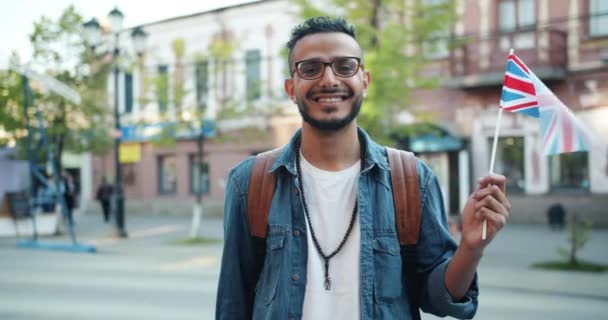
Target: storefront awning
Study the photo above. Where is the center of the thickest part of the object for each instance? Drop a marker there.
(435, 143)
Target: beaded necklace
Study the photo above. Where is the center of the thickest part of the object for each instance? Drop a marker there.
(326, 257)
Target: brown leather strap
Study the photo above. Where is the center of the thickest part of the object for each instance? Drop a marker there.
(261, 190)
(406, 195)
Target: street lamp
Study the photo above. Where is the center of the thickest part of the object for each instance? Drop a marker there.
(197, 211)
(93, 37)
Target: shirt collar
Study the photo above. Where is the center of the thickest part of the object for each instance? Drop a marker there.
(375, 155)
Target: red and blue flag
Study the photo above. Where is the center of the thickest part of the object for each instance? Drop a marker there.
(561, 130)
(518, 91)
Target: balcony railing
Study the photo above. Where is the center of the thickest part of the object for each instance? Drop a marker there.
(481, 61)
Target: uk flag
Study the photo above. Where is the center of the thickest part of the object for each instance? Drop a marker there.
(561, 130)
(518, 92)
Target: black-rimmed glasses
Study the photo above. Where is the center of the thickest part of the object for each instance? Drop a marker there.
(344, 67)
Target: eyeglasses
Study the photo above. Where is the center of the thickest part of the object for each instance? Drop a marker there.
(344, 67)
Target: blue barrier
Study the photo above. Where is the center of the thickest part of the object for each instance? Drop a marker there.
(58, 246)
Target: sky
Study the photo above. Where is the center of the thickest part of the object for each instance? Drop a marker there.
(17, 17)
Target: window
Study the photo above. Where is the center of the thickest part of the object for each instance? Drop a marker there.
(162, 88)
(128, 174)
(569, 171)
(167, 175)
(199, 176)
(202, 83)
(128, 93)
(516, 15)
(253, 77)
(223, 78)
(598, 18)
(510, 161)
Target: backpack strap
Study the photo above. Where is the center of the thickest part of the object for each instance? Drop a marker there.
(406, 197)
(261, 190)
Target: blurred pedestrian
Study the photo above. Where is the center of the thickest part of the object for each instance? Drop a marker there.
(69, 194)
(45, 194)
(104, 194)
(556, 216)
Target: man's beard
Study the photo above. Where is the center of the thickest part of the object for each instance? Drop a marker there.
(330, 125)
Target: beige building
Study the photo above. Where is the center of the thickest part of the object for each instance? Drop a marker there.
(232, 60)
(565, 43)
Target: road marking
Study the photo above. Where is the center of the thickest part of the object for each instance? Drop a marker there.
(194, 263)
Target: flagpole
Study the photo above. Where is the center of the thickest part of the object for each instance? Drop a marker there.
(484, 226)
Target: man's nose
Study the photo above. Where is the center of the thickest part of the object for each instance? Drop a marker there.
(328, 78)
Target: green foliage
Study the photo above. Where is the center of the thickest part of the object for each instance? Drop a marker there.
(222, 46)
(200, 57)
(179, 48)
(397, 38)
(578, 237)
(146, 82)
(161, 91)
(196, 241)
(235, 110)
(59, 50)
(580, 265)
(11, 111)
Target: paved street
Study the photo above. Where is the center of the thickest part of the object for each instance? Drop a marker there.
(147, 276)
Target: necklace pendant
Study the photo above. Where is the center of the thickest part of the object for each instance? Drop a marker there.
(327, 284)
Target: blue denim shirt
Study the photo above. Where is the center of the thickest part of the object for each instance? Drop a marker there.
(277, 291)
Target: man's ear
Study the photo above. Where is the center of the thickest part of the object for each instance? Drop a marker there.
(367, 79)
(289, 89)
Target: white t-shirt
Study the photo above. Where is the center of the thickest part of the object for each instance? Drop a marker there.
(330, 197)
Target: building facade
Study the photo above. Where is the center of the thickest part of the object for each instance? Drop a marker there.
(565, 43)
(220, 70)
(232, 58)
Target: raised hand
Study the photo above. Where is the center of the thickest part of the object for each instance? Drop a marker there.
(487, 202)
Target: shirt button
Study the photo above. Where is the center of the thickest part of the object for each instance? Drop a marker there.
(295, 277)
(296, 233)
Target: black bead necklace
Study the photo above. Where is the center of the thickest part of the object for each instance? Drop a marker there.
(326, 257)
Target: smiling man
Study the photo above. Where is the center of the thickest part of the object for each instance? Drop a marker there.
(330, 247)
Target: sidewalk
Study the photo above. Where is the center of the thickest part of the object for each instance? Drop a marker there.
(148, 276)
(506, 264)
(145, 233)
(507, 261)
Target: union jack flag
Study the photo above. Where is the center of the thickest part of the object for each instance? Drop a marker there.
(561, 130)
(518, 92)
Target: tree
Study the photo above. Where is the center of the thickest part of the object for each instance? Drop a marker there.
(179, 48)
(397, 36)
(579, 235)
(11, 110)
(59, 50)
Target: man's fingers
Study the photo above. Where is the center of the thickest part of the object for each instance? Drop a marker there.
(493, 218)
(492, 204)
(495, 192)
(492, 179)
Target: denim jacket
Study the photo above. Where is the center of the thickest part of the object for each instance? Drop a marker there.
(271, 285)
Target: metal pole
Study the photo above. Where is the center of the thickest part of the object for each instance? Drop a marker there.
(197, 213)
(118, 194)
(199, 151)
(28, 98)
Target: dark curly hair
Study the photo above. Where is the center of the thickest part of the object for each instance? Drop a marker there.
(318, 25)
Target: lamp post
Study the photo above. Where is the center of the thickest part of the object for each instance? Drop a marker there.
(198, 126)
(94, 39)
